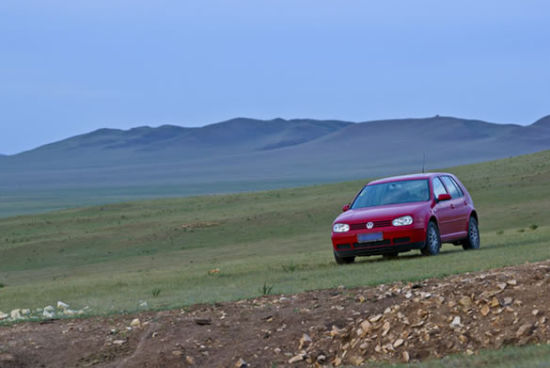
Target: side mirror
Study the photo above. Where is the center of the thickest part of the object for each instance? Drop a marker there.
(443, 197)
(345, 208)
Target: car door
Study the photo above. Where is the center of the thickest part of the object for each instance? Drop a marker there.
(459, 209)
(442, 210)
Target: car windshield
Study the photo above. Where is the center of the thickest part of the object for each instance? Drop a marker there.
(403, 191)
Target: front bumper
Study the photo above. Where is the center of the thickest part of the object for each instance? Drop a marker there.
(395, 240)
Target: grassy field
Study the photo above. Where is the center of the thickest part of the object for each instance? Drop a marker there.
(161, 251)
(535, 356)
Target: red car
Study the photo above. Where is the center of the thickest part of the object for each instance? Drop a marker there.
(398, 214)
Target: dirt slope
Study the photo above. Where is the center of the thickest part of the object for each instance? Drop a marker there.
(396, 322)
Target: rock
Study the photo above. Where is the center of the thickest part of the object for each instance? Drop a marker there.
(296, 359)
(189, 359)
(406, 356)
(305, 341)
(356, 360)
(465, 301)
(321, 358)
(535, 312)
(48, 314)
(495, 303)
(277, 350)
(62, 305)
(386, 328)
(507, 300)
(3, 315)
(177, 353)
(524, 330)
(49, 308)
(365, 326)
(456, 322)
(485, 310)
(502, 285)
(143, 304)
(119, 342)
(135, 323)
(512, 282)
(15, 314)
(375, 318)
(25, 311)
(398, 343)
(241, 363)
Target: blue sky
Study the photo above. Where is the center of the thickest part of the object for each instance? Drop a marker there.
(69, 67)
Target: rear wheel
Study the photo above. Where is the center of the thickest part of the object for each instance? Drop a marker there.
(433, 241)
(343, 260)
(473, 239)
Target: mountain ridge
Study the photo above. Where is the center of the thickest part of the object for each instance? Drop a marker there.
(259, 154)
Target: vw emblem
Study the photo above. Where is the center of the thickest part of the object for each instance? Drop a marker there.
(370, 225)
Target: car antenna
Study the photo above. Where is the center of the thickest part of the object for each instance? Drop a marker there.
(423, 161)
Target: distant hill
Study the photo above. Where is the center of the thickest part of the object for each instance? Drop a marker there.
(248, 154)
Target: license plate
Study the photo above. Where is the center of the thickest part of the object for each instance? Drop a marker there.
(370, 237)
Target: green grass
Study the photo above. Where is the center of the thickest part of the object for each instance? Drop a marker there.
(534, 356)
(113, 256)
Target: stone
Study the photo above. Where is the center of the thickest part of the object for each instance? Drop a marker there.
(406, 356)
(296, 359)
(365, 326)
(375, 318)
(507, 300)
(398, 343)
(119, 342)
(49, 308)
(512, 282)
(135, 323)
(456, 322)
(3, 315)
(524, 330)
(189, 359)
(48, 314)
(305, 341)
(62, 305)
(485, 310)
(495, 303)
(241, 363)
(15, 314)
(465, 301)
(321, 358)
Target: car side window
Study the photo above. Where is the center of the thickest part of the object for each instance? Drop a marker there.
(457, 186)
(451, 186)
(438, 187)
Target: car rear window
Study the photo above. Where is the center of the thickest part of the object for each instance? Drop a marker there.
(403, 191)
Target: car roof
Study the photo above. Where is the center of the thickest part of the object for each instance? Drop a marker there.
(407, 177)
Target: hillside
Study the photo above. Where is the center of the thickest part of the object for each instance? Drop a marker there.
(147, 257)
(245, 154)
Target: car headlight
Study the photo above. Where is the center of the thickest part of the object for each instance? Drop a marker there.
(340, 228)
(402, 221)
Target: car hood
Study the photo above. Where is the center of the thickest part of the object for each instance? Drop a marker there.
(381, 212)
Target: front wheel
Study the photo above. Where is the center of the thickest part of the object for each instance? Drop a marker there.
(343, 260)
(433, 240)
(473, 239)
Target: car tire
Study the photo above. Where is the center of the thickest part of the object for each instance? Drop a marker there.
(343, 260)
(433, 240)
(473, 240)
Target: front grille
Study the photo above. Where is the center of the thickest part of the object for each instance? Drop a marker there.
(363, 225)
(372, 244)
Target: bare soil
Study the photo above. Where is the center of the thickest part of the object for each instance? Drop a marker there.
(396, 322)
